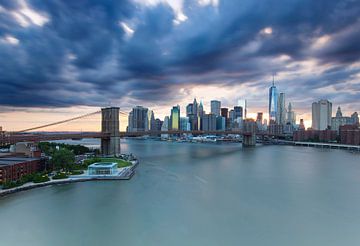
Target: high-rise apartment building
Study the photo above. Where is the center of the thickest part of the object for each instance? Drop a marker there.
(215, 107)
(281, 110)
(139, 119)
(243, 104)
(321, 114)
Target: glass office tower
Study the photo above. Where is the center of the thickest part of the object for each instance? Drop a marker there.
(273, 100)
(175, 118)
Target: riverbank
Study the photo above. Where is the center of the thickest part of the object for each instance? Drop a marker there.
(126, 173)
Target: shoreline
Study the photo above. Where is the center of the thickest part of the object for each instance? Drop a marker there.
(128, 175)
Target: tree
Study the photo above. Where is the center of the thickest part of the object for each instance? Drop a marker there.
(63, 159)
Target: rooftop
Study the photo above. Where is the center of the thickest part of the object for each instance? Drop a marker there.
(15, 160)
(103, 164)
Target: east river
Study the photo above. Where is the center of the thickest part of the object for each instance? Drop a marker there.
(199, 194)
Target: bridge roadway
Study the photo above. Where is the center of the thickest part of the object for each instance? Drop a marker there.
(12, 138)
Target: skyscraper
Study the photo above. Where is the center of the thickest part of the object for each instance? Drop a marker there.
(259, 120)
(224, 112)
(238, 112)
(138, 119)
(201, 111)
(273, 100)
(165, 127)
(195, 110)
(291, 117)
(189, 109)
(215, 107)
(152, 121)
(209, 122)
(321, 114)
(243, 104)
(184, 124)
(281, 110)
(175, 118)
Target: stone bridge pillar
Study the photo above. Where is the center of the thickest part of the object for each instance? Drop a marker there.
(249, 130)
(110, 145)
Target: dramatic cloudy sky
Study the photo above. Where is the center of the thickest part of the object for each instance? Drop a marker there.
(62, 58)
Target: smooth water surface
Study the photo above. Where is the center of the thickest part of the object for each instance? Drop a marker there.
(199, 194)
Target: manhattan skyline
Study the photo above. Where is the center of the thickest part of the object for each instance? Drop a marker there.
(162, 53)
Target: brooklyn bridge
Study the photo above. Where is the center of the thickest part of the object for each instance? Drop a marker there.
(110, 133)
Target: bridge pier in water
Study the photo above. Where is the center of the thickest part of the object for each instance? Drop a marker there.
(110, 124)
(249, 136)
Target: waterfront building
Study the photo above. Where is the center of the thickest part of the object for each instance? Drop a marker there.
(175, 118)
(165, 127)
(192, 112)
(201, 110)
(237, 117)
(291, 117)
(326, 135)
(281, 110)
(231, 118)
(103, 168)
(195, 110)
(301, 125)
(243, 104)
(151, 120)
(238, 112)
(355, 118)
(158, 124)
(288, 129)
(194, 122)
(273, 101)
(321, 115)
(130, 122)
(259, 121)
(209, 122)
(138, 119)
(184, 124)
(224, 112)
(189, 109)
(275, 129)
(350, 134)
(215, 107)
(339, 120)
(13, 168)
(220, 123)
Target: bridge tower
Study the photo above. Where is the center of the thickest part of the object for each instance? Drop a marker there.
(249, 130)
(110, 144)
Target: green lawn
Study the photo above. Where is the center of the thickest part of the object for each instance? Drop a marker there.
(121, 163)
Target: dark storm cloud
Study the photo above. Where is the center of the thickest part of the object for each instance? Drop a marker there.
(83, 56)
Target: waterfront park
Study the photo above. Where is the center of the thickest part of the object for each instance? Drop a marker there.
(72, 163)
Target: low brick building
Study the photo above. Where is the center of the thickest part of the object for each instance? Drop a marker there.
(350, 134)
(13, 168)
(315, 135)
